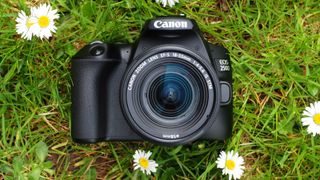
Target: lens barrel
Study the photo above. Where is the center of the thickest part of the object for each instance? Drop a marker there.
(169, 96)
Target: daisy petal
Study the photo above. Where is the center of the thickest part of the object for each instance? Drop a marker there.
(310, 118)
(142, 162)
(164, 3)
(231, 164)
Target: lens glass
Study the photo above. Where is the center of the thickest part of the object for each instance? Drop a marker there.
(170, 94)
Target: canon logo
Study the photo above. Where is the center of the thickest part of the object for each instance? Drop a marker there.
(170, 24)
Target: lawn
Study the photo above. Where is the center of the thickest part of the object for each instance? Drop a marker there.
(274, 48)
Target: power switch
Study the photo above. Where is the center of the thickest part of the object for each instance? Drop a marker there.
(225, 93)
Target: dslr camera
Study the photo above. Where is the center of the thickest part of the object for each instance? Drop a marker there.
(171, 87)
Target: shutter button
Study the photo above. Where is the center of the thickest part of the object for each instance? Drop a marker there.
(97, 50)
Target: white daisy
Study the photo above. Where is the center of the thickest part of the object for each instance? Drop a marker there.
(24, 25)
(142, 162)
(231, 163)
(169, 2)
(43, 18)
(312, 118)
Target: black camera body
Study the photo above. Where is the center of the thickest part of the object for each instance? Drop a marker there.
(171, 87)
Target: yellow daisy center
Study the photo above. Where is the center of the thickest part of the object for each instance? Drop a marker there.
(144, 162)
(230, 164)
(43, 21)
(316, 119)
(29, 23)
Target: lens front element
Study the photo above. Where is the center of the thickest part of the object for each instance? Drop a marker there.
(170, 94)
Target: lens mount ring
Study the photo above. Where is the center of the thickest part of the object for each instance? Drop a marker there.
(156, 95)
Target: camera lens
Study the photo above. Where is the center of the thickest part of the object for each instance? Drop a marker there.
(169, 97)
(170, 94)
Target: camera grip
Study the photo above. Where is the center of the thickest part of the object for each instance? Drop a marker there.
(87, 76)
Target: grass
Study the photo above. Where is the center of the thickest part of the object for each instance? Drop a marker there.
(274, 47)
